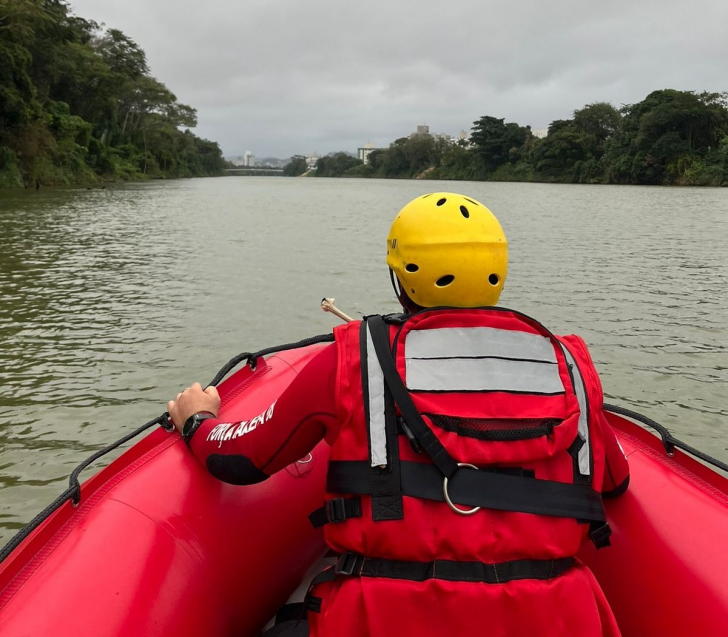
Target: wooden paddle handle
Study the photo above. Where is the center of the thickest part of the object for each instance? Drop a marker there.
(327, 305)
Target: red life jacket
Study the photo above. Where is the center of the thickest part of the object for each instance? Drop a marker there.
(443, 412)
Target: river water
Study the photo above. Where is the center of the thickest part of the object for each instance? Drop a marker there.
(112, 300)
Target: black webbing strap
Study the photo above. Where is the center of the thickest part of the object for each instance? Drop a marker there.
(336, 510)
(470, 487)
(387, 495)
(293, 612)
(386, 488)
(353, 565)
(423, 434)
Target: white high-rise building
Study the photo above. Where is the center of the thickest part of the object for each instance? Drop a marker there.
(311, 160)
(366, 150)
(249, 159)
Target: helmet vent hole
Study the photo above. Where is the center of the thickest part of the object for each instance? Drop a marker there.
(412, 267)
(444, 281)
(442, 201)
(475, 203)
(428, 195)
(464, 211)
(493, 279)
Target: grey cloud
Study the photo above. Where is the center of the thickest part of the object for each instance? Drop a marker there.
(286, 77)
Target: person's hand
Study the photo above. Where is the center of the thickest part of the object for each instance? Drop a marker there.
(190, 401)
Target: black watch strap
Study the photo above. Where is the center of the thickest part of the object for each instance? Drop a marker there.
(192, 424)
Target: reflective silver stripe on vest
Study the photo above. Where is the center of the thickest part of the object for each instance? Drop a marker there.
(481, 359)
(580, 389)
(375, 382)
(479, 342)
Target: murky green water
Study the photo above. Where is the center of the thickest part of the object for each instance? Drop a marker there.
(112, 300)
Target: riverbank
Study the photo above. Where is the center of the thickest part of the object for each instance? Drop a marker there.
(46, 173)
(670, 138)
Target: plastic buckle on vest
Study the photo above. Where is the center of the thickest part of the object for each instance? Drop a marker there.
(600, 535)
(416, 446)
(396, 319)
(313, 604)
(335, 511)
(346, 564)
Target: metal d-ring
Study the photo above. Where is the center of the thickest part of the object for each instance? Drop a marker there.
(306, 459)
(447, 497)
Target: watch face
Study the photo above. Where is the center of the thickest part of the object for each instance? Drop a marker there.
(193, 422)
(190, 424)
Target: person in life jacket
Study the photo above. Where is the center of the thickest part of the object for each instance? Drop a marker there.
(469, 450)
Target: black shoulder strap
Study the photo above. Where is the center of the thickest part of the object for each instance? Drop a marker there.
(423, 434)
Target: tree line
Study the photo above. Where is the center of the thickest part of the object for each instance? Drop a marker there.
(78, 104)
(670, 138)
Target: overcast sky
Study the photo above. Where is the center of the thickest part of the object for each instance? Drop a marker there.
(279, 77)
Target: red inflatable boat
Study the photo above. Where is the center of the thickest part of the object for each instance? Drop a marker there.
(156, 546)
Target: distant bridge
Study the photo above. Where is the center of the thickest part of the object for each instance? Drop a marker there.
(247, 171)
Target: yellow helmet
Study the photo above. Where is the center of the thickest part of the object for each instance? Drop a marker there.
(448, 250)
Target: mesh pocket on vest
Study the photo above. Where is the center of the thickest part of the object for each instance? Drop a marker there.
(496, 428)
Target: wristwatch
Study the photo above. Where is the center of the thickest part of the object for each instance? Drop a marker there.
(192, 424)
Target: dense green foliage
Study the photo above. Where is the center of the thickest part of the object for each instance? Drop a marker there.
(297, 166)
(671, 137)
(336, 165)
(78, 104)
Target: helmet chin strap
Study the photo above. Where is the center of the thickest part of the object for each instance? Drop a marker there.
(405, 301)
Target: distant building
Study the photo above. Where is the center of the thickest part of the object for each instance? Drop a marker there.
(444, 138)
(364, 152)
(249, 159)
(312, 159)
(540, 133)
(424, 131)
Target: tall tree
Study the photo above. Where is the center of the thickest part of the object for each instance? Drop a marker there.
(600, 119)
(335, 164)
(495, 142)
(297, 166)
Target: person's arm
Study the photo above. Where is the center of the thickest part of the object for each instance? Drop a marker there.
(302, 415)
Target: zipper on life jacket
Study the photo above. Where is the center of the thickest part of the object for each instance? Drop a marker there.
(504, 429)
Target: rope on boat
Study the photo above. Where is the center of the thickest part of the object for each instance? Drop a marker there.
(668, 440)
(251, 358)
(73, 493)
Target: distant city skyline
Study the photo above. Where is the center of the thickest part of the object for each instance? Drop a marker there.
(420, 129)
